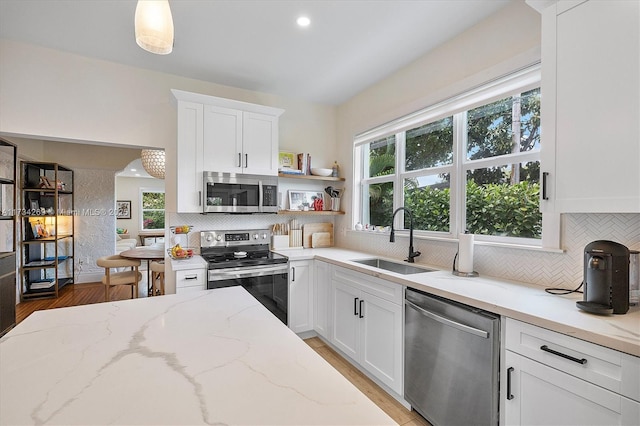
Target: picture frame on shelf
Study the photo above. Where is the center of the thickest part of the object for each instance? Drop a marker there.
(303, 200)
(39, 230)
(35, 207)
(123, 209)
(287, 160)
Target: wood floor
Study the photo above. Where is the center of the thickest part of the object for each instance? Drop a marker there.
(84, 294)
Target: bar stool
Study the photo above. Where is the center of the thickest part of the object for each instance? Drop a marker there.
(157, 278)
(127, 277)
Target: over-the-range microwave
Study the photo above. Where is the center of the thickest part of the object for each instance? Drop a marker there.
(240, 193)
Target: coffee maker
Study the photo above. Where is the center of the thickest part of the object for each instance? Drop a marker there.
(606, 278)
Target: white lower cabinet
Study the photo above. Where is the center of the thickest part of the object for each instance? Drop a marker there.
(322, 307)
(191, 280)
(577, 383)
(300, 309)
(367, 324)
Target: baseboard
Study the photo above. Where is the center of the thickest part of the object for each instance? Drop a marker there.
(88, 277)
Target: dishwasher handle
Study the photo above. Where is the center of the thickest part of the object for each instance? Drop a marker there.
(446, 321)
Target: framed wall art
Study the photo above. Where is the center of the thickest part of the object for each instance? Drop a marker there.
(303, 200)
(123, 209)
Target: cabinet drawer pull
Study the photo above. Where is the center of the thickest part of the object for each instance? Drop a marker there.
(569, 357)
(192, 277)
(509, 394)
(355, 306)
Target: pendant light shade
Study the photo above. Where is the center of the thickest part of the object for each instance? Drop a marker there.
(154, 26)
(153, 162)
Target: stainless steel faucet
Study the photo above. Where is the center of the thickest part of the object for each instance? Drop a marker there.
(392, 237)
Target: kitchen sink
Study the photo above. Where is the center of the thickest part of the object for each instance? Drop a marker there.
(399, 268)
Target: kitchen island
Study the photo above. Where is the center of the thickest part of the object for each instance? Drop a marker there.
(208, 357)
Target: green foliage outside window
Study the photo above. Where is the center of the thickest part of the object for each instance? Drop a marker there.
(500, 200)
(153, 210)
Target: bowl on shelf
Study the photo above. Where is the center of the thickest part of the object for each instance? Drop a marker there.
(321, 172)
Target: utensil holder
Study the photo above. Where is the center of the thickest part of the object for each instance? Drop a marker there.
(295, 238)
(335, 204)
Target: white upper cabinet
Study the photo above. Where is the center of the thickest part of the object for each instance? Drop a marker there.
(221, 135)
(591, 107)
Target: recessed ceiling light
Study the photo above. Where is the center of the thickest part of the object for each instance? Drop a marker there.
(303, 21)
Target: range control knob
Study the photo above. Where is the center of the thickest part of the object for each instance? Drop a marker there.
(264, 236)
(218, 237)
(208, 237)
(255, 236)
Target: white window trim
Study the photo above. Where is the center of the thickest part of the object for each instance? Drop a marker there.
(141, 210)
(517, 82)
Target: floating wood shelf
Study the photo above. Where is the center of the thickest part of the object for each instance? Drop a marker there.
(311, 212)
(311, 177)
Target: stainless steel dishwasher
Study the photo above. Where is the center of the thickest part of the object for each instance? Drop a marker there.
(451, 361)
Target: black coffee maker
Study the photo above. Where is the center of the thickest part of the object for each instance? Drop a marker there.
(606, 278)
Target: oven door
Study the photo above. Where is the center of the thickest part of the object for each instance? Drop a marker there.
(268, 284)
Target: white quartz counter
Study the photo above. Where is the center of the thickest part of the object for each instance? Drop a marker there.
(209, 357)
(524, 302)
(195, 262)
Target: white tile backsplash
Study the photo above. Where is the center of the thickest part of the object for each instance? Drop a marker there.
(548, 269)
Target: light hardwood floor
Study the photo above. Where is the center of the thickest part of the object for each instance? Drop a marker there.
(84, 294)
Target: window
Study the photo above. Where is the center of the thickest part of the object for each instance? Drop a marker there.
(469, 163)
(152, 202)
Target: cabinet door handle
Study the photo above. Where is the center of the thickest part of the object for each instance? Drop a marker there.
(355, 306)
(545, 175)
(199, 198)
(293, 274)
(361, 316)
(246, 161)
(239, 159)
(560, 354)
(509, 394)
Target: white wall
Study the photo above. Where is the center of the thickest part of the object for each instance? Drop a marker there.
(504, 42)
(51, 94)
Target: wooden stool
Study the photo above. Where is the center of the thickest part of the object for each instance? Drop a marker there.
(157, 278)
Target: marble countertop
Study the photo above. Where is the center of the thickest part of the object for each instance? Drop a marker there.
(521, 301)
(208, 357)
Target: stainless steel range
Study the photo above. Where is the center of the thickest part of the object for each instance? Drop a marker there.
(243, 258)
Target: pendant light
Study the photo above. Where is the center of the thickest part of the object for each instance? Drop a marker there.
(153, 161)
(154, 26)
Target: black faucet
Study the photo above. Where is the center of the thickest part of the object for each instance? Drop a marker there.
(392, 237)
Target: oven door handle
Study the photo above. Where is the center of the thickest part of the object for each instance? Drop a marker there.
(247, 272)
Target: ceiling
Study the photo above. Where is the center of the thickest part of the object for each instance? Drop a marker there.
(256, 44)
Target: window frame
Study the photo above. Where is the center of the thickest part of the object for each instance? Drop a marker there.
(142, 209)
(457, 106)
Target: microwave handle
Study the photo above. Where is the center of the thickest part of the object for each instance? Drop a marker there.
(260, 195)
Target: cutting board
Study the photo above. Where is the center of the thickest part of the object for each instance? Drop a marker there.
(311, 228)
(321, 239)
